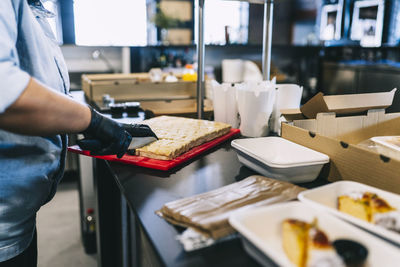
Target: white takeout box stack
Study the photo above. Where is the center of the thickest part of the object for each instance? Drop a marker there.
(279, 158)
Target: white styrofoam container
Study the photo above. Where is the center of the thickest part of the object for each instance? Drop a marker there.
(262, 233)
(278, 158)
(325, 198)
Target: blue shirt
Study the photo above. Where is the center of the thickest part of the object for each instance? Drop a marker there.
(30, 166)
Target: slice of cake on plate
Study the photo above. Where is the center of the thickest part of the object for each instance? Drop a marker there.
(308, 246)
(372, 208)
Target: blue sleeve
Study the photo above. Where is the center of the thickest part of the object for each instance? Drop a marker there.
(13, 79)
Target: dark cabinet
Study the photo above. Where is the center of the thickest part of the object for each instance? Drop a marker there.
(340, 78)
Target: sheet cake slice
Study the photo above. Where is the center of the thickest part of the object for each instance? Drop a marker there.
(178, 135)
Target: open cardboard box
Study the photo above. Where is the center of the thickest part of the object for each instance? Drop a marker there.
(135, 87)
(340, 104)
(162, 98)
(338, 137)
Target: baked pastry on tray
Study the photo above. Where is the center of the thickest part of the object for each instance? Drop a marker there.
(372, 208)
(178, 135)
(306, 245)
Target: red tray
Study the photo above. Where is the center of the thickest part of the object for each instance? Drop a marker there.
(163, 165)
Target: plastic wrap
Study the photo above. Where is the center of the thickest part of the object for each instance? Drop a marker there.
(388, 146)
(208, 213)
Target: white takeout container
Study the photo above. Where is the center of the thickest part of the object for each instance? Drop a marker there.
(255, 102)
(224, 103)
(288, 96)
(325, 198)
(261, 231)
(278, 158)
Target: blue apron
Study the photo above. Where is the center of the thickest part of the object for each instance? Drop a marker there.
(30, 166)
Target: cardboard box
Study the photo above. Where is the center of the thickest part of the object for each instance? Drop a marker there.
(177, 98)
(181, 10)
(182, 108)
(338, 137)
(340, 104)
(178, 36)
(134, 87)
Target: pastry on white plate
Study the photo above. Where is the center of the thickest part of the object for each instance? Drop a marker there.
(308, 246)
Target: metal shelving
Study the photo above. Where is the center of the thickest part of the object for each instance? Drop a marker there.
(266, 51)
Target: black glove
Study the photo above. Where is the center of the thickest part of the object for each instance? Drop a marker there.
(105, 136)
(139, 130)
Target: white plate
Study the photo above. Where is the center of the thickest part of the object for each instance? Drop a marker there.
(262, 227)
(325, 198)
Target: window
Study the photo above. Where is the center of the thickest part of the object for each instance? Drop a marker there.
(110, 23)
(225, 21)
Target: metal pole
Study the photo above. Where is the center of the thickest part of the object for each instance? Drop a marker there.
(267, 38)
(200, 60)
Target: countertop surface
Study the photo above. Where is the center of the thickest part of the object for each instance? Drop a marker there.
(147, 190)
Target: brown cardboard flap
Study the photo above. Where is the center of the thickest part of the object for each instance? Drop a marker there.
(314, 106)
(355, 103)
(292, 114)
(341, 104)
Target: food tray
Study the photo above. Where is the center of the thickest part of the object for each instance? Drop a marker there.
(280, 159)
(157, 164)
(261, 230)
(325, 198)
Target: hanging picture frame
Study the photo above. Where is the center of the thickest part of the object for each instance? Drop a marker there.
(367, 23)
(331, 22)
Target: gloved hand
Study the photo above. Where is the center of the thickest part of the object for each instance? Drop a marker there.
(139, 130)
(105, 136)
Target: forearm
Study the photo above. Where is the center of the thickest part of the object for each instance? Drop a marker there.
(42, 111)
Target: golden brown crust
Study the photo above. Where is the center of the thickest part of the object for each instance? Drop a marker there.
(154, 156)
(319, 239)
(300, 239)
(294, 240)
(365, 207)
(379, 205)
